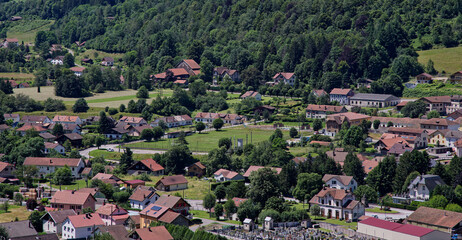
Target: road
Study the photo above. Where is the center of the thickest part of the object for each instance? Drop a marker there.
(401, 213)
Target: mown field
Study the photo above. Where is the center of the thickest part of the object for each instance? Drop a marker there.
(17, 76)
(207, 141)
(14, 212)
(116, 155)
(445, 59)
(25, 30)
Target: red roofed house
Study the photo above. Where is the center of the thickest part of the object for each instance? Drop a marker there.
(251, 94)
(340, 182)
(334, 122)
(133, 121)
(439, 123)
(148, 166)
(50, 165)
(341, 95)
(384, 145)
(35, 119)
(142, 197)
(381, 229)
(196, 169)
(175, 203)
(172, 183)
(81, 226)
(321, 111)
(173, 74)
(107, 61)
(318, 92)
(67, 120)
(53, 220)
(368, 165)
(76, 201)
(256, 168)
(158, 213)
(112, 214)
(54, 146)
(437, 103)
(228, 118)
(424, 78)
(6, 169)
(339, 204)
(132, 184)
(108, 178)
(151, 233)
(190, 66)
(222, 175)
(78, 71)
(284, 77)
(10, 42)
(438, 219)
(30, 127)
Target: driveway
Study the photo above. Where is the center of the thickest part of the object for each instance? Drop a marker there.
(402, 213)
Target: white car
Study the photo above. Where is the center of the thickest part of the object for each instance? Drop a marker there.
(110, 150)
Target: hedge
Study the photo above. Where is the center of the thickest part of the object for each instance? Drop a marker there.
(402, 206)
(225, 183)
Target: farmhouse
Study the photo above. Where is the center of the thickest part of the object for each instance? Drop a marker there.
(190, 66)
(172, 183)
(74, 200)
(321, 111)
(424, 78)
(341, 95)
(148, 166)
(50, 165)
(373, 100)
(251, 94)
(107, 61)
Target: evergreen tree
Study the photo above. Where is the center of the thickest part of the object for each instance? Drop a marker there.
(353, 167)
(126, 160)
(104, 124)
(80, 106)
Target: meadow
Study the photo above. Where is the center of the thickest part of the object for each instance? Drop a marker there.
(25, 30)
(445, 59)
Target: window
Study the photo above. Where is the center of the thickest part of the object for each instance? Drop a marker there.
(334, 182)
(88, 229)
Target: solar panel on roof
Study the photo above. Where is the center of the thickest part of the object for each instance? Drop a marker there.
(156, 208)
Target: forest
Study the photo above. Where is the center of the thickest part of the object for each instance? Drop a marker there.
(327, 43)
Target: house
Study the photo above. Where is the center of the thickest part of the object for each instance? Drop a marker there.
(142, 197)
(334, 122)
(455, 77)
(227, 118)
(456, 104)
(108, 178)
(399, 149)
(117, 232)
(148, 166)
(47, 137)
(49, 236)
(173, 74)
(341, 95)
(11, 116)
(454, 115)
(7, 170)
(50, 165)
(112, 214)
(34, 119)
(381, 229)
(369, 165)
(93, 191)
(132, 184)
(74, 200)
(222, 175)
(439, 123)
(136, 131)
(319, 92)
(132, 222)
(67, 127)
(157, 213)
(54, 146)
(177, 204)
(386, 122)
(299, 160)
(15, 18)
(59, 119)
(338, 155)
(340, 182)
(151, 233)
(173, 121)
(59, 60)
(74, 138)
(116, 133)
(252, 169)
(385, 144)
(413, 141)
(251, 94)
(81, 226)
(338, 204)
(196, 169)
(172, 183)
(441, 220)
(284, 77)
(364, 82)
(133, 121)
(438, 104)
(56, 48)
(78, 71)
(424, 78)
(19, 229)
(30, 127)
(10, 42)
(53, 220)
(265, 108)
(421, 187)
(107, 61)
(321, 111)
(87, 61)
(374, 100)
(190, 66)
(219, 73)
(444, 137)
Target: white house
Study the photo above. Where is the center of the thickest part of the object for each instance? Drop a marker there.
(286, 78)
(12, 116)
(142, 197)
(78, 71)
(340, 182)
(50, 165)
(132, 121)
(59, 60)
(173, 121)
(53, 220)
(81, 226)
(112, 214)
(339, 204)
(251, 94)
(225, 175)
(54, 146)
(229, 118)
(341, 95)
(172, 183)
(421, 187)
(67, 120)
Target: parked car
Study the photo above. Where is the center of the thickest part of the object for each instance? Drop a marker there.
(110, 150)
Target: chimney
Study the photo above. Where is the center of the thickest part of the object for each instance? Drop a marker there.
(73, 191)
(51, 160)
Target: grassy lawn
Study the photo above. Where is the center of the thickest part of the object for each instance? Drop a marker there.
(378, 210)
(447, 59)
(207, 141)
(206, 215)
(17, 76)
(25, 30)
(75, 185)
(90, 53)
(14, 212)
(116, 155)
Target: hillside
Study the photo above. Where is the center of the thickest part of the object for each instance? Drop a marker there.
(445, 59)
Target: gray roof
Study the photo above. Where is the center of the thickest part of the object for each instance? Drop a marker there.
(430, 181)
(50, 236)
(373, 97)
(19, 229)
(60, 216)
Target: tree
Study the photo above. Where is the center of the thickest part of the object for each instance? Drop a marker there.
(248, 209)
(147, 134)
(220, 192)
(224, 142)
(218, 210)
(293, 132)
(63, 176)
(142, 92)
(18, 198)
(433, 114)
(105, 124)
(315, 210)
(414, 109)
(126, 160)
(121, 197)
(353, 136)
(276, 203)
(381, 177)
(376, 124)
(68, 60)
(409, 179)
(276, 134)
(217, 124)
(31, 204)
(431, 67)
(176, 159)
(235, 189)
(308, 184)
(200, 126)
(103, 236)
(197, 88)
(263, 185)
(353, 167)
(5, 206)
(157, 133)
(454, 207)
(122, 108)
(4, 233)
(317, 124)
(80, 106)
(437, 201)
(36, 221)
(366, 191)
(409, 162)
(58, 130)
(230, 208)
(99, 140)
(209, 202)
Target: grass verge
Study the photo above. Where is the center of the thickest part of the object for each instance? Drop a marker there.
(378, 210)
(14, 212)
(116, 155)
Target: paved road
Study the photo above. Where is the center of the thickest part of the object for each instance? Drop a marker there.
(401, 213)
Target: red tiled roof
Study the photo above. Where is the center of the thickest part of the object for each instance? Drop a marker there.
(389, 142)
(178, 71)
(337, 194)
(438, 99)
(59, 118)
(438, 121)
(50, 145)
(29, 127)
(86, 220)
(109, 209)
(77, 69)
(45, 161)
(141, 194)
(319, 92)
(436, 217)
(402, 104)
(154, 210)
(154, 233)
(238, 201)
(256, 168)
(128, 119)
(286, 75)
(340, 91)
(402, 228)
(368, 165)
(345, 180)
(170, 180)
(136, 181)
(226, 173)
(425, 75)
(249, 94)
(180, 81)
(71, 197)
(193, 64)
(11, 40)
(169, 216)
(3, 165)
(325, 108)
(102, 176)
(151, 164)
(199, 165)
(169, 201)
(322, 143)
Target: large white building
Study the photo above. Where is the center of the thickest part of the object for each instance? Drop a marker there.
(47, 165)
(81, 226)
(338, 204)
(340, 182)
(421, 187)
